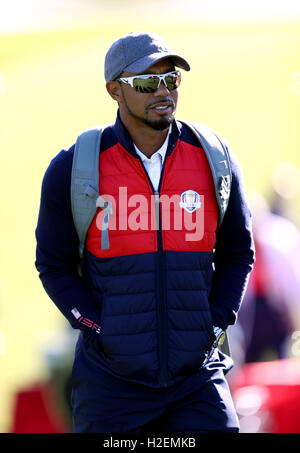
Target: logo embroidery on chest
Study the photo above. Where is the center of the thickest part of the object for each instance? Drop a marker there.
(190, 200)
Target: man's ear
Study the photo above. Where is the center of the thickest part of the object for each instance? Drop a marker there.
(114, 90)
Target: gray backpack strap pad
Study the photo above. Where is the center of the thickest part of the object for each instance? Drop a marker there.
(219, 161)
(85, 181)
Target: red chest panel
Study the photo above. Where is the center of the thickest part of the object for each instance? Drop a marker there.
(188, 207)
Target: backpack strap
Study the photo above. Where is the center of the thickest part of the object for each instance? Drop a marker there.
(85, 197)
(218, 158)
(219, 161)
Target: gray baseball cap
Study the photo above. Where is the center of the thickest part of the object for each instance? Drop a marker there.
(136, 52)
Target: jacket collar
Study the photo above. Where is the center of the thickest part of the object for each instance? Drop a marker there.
(125, 140)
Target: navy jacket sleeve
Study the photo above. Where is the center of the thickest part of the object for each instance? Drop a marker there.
(234, 254)
(57, 256)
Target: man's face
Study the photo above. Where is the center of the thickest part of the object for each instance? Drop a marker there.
(156, 110)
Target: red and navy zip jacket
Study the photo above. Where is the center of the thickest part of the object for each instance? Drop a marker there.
(147, 305)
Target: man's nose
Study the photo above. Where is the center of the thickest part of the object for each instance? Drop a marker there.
(162, 90)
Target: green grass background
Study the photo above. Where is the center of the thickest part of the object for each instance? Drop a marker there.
(241, 84)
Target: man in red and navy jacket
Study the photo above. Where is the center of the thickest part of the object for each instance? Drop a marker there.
(151, 305)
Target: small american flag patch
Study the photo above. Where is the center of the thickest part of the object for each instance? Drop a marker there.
(76, 313)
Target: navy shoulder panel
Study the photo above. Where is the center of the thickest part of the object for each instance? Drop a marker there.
(63, 160)
(57, 178)
(108, 138)
(186, 135)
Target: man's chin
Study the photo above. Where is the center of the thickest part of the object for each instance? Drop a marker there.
(160, 124)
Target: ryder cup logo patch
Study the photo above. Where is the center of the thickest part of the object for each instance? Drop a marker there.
(190, 201)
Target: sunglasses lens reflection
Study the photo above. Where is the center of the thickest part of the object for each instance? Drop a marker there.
(151, 83)
(172, 81)
(148, 85)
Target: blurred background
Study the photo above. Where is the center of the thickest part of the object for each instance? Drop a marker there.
(245, 84)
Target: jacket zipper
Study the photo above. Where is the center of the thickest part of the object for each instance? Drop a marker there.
(162, 321)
